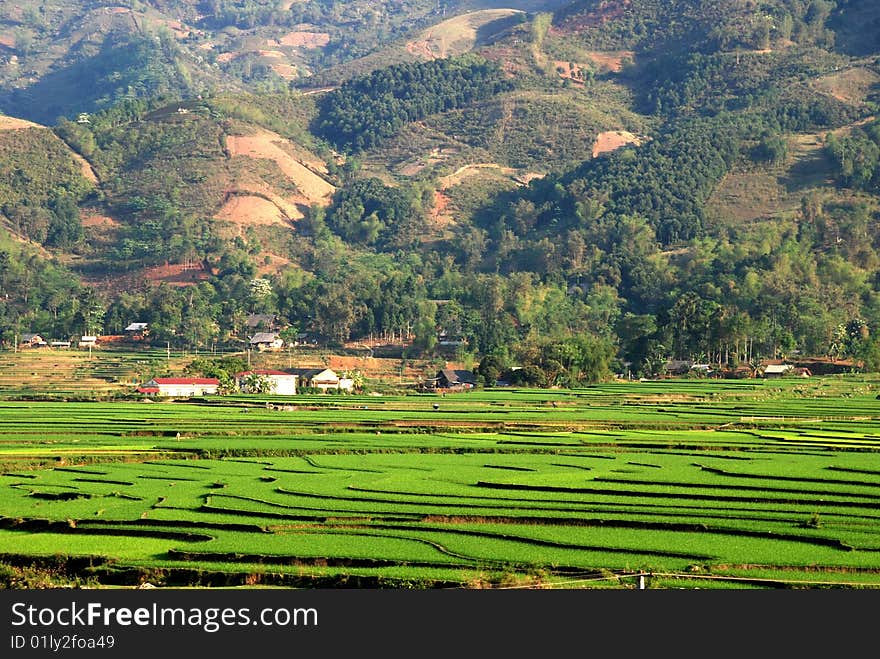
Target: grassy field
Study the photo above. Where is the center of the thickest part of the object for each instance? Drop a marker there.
(688, 483)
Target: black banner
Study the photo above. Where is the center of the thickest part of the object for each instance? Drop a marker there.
(523, 622)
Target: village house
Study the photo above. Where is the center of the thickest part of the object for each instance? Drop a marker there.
(280, 382)
(324, 379)
(777, 370)
(60, 344)
(678, 366)
(444, 339)
(136, 330)
(180, 386)
(32, 340)
(266, 341)
(451, 378)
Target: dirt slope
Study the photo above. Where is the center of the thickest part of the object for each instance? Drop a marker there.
(612, 140)
(457, 35)
(306, 174)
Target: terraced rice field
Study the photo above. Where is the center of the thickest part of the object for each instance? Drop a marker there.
(80, 373)
(690, 484)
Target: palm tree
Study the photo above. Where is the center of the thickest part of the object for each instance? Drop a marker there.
(357, 379)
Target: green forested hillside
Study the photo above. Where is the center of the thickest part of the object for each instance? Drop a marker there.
(597, 187)
(365, 110)
(41, 183)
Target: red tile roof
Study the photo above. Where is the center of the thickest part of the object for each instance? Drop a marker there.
(186, 380)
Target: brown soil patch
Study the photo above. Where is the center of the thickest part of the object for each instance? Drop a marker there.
(851, 86)
(610, 61)
(455, 36)
(274, 265)
(413, 168)
(614, 139)
(422, 48)
(177, 274)
(287, 206)
(249, 209)
(855, 124)
(568, 72)
(469, 170)
(180, 30)
(286, 71)
(379, 368)
(99, 221)
(271, 146)
(13, 123)
(7, 40)
(528, 177)
(438, 214)
(87, 171)
(375, 367)
(268, 54)
(343, 363)
(305, 39)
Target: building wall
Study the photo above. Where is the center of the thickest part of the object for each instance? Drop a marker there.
(187, 389)
(283, 385)
(276, 345)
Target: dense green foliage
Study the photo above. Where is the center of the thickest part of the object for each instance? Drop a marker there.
(667, 181)
(468, 217)
(35, 292)
(369, 212)
(857, 157)
(365, 110)
(41, 185)
(124, 67)
(707, 24)
(768, 81)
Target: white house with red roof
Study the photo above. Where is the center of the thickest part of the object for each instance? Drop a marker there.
(180, 386)
(280, 382)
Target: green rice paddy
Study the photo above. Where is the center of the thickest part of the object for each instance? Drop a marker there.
(690, 483)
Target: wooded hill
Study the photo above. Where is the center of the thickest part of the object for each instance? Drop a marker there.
(592, 190)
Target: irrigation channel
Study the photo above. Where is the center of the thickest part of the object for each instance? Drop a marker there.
(668, 484)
